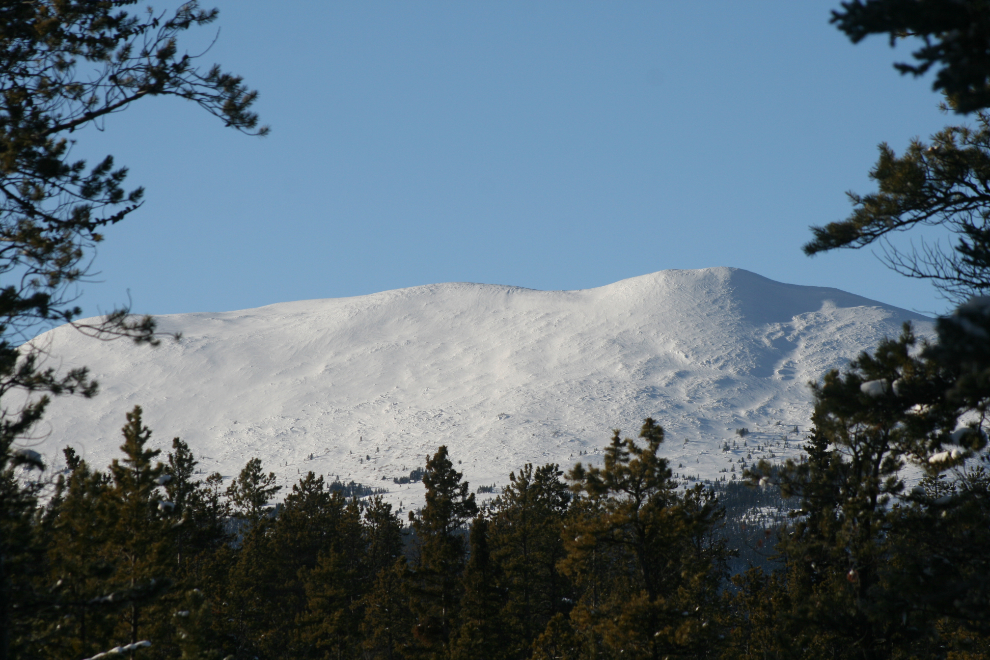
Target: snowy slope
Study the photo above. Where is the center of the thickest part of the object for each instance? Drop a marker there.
(502, 375)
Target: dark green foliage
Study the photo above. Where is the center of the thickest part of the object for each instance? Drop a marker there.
(955, 35)
(435, 587)
(109, 539)
(481, 633)
(193, 627)
(140, 530)
(875, 570)
(253, 490)
(625, 566)
(298, 560)
(865, 549)
(944, 553)
(387, 627)
(22, 587)
(754, 618)
(525, 531)
(943, 182)
(65, 66)
(200, 515)
(559, 641)
(640, 553)
(74, 562)
(329, 625)
(383, 536)
(963, 348)
(353, 489)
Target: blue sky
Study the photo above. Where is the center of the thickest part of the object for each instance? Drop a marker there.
(549, 145)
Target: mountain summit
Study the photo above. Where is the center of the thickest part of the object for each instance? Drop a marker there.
(365, 387)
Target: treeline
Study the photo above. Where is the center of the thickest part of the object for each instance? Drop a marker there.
(614, 561)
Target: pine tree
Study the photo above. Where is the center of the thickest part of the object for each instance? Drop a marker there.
(193, 625)
(558, 641)
(329, 625)
(954, 34)
(326, 548)
(755, 618)
(24, 590)
(940, 182)
(481, 633)
(383, 534)
(435, 587)
(849, 568)
(637, 548)
(140, 543)
(295, 572)
(200, 526)
(109, 549)
(387, 626)
(66, 66)
(251, 492)
(525, 536)
(77, 564)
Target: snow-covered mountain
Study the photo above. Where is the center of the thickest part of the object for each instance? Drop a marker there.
(368, 386)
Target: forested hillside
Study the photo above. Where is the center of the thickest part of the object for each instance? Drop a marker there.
(610, 561)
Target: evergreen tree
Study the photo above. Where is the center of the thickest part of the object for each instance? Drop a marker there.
(658, 590)
(22, 568)
(193, 624)
(326, 548)
(481, 633)
(942, 182)
(216, 507)
(525, 538)
(251, 492)
(383, 534)
(330, 624)
(890, 571)
(77, 564)
(109, 539)
(140, 542)
(558, 642)
(200, 524)
(954, 34)
(65, 66)
(755, 618)
(848, 566)
(388, 622)
(435, 587)
(296, 571)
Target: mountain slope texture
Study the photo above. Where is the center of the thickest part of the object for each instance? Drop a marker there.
(364, 388)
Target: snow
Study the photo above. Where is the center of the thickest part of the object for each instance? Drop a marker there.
(960, 434)
(874, 388)
(501, 375)
(121, 650)
(943, 456)
(163, 479)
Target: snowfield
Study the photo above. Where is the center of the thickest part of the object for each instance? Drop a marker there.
(365, 388)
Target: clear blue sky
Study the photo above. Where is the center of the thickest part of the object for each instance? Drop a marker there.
(549, 145)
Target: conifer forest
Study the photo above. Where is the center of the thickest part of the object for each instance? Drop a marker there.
(834, 555)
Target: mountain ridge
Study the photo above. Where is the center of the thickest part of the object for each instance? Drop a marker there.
(370, 385)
